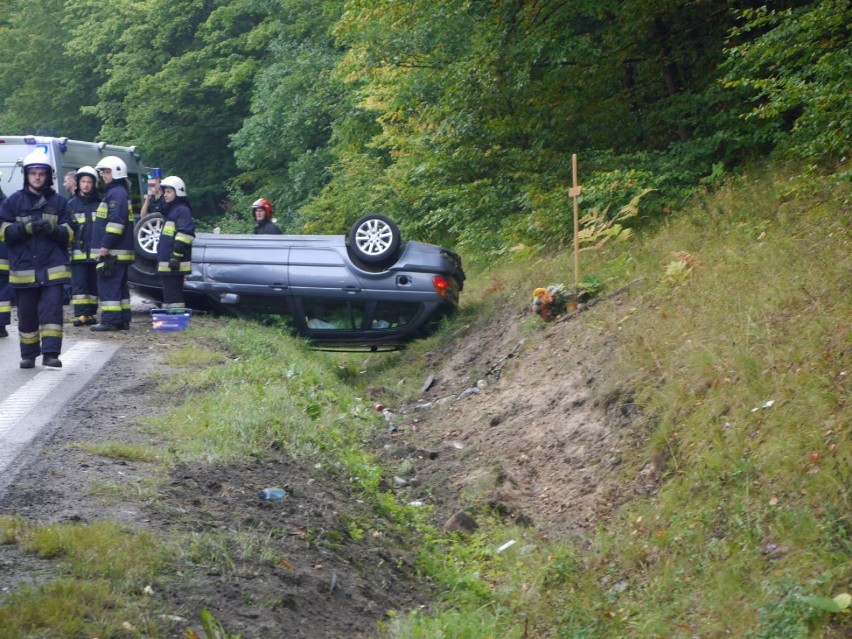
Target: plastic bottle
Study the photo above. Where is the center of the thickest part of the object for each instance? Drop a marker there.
(272, 494)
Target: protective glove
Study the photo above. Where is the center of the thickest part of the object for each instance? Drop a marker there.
(106, 265)
(23, 229)
(59, 234)
(174, 264)
(42, 227)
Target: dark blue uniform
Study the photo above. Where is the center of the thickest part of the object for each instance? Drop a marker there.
(174, 250)
(113, 230)
(84, 256)
(5, 289)
(37, 232)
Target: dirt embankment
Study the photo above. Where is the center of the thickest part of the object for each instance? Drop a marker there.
(536, 440)
(521, 424)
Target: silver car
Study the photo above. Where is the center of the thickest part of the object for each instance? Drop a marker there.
(365, 288)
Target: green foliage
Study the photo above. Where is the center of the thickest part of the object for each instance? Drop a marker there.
(798, 64)
(457, 119)
(41, 91)
(282, 144)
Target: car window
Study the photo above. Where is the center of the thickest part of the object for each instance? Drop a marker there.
(393, 314)
(334, 315)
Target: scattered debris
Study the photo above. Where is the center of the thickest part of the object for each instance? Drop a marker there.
(766, 404)
(506, 546)
(427, 384)
(272, 494)
(461, 522)
(473, 390)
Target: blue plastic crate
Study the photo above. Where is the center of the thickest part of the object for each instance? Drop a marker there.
(170, 319)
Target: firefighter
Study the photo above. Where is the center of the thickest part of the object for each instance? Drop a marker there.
(5, 289)
(84, 278)
(262, 211)
(174, 250)
(36, 227)
(112, 238)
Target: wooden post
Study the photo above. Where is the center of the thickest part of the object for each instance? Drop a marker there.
(575, 192)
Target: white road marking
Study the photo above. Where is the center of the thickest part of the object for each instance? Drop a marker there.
(27, 397)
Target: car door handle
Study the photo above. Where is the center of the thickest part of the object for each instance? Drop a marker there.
(351, 289)
(278, 286)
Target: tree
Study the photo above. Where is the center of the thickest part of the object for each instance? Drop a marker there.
(797, 64)
(42, 93)
(282, 146)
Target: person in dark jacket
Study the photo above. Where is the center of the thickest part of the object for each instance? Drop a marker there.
(262, 211)
(112, 238)
(84, 278)
(36, 227)
(5, 289)
(174, 250)
(153, 201)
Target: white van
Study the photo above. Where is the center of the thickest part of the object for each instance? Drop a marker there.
(66, 155)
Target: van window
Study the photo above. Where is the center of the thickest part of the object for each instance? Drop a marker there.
(135, 195)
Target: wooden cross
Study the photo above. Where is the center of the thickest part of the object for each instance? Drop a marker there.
(575, 192)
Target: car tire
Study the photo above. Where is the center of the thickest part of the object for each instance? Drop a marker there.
(146, 236)
(375, 239)
(149, 267)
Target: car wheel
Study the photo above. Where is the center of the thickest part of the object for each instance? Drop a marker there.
(374, 239)
(149, 267)
(146, 235)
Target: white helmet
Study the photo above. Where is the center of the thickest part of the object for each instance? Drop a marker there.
(114, 164)
(38, 159)
(87, 170)
(174, 182)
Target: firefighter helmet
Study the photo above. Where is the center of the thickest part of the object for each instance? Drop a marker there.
(114, 164)
(38, 160)
(174, 182)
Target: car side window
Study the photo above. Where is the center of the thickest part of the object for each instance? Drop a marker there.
(331, 315)
(393, 314)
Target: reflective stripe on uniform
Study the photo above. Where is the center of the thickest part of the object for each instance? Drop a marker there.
(111, 305)
(51, 330)
(58, 272)
(29, 338)
(184, 237)
(22, 277)
(115, 228)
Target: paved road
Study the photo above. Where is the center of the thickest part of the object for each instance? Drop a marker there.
(30, 398)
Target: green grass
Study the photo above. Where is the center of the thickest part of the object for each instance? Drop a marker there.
(103, 570)
(751, 515)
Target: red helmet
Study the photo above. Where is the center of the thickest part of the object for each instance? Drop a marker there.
(264, 204)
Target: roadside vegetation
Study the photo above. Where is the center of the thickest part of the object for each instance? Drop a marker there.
(737, 352)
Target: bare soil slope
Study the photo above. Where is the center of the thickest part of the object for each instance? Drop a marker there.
(538, 441)
(522, 424)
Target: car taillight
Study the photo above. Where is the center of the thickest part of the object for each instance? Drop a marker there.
(441, 284)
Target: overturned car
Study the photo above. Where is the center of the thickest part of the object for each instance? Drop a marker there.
(364, 288)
